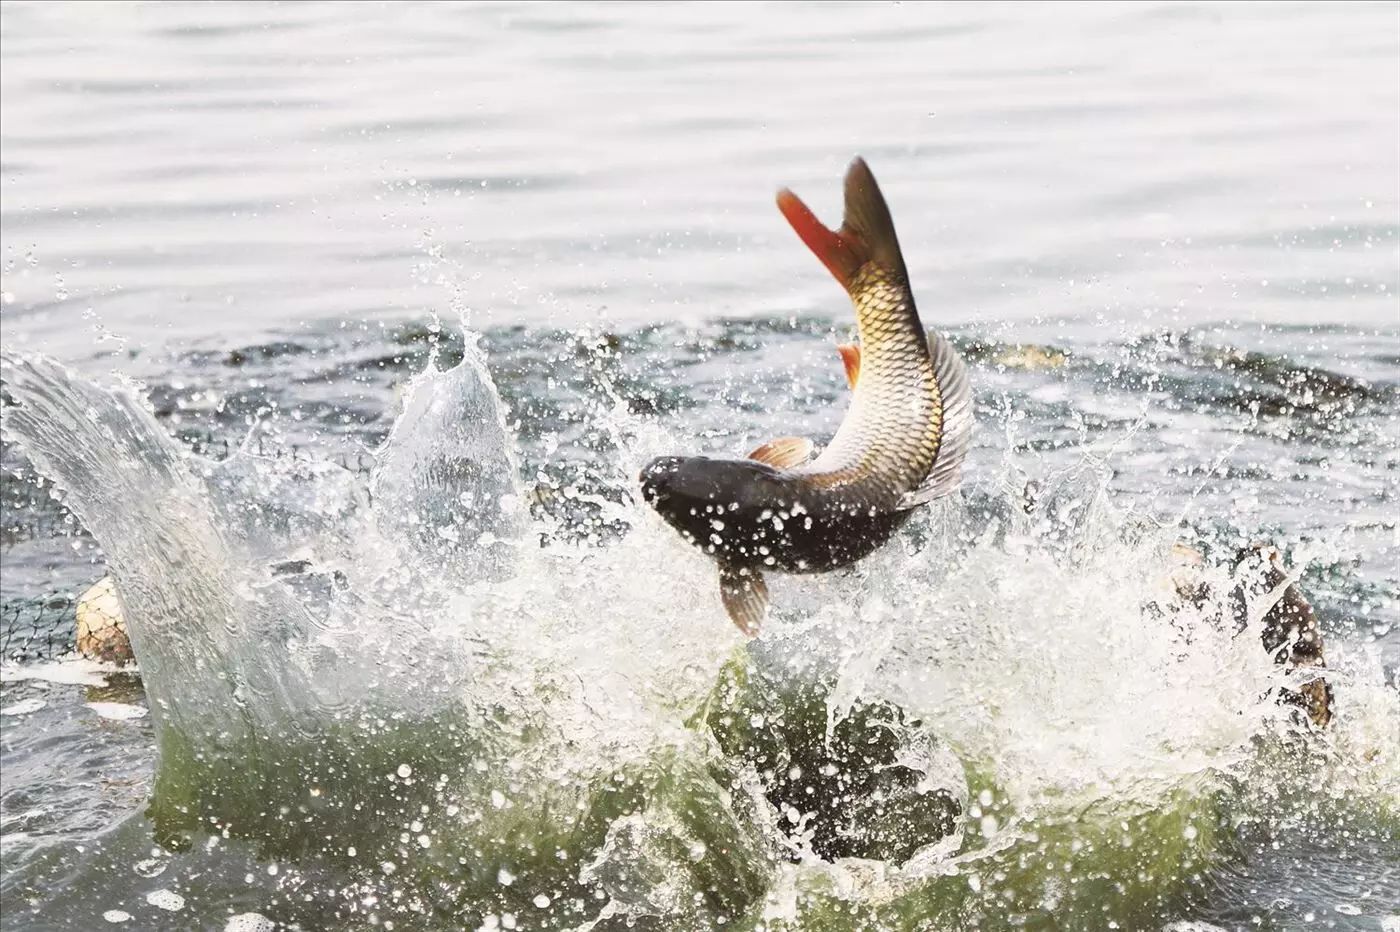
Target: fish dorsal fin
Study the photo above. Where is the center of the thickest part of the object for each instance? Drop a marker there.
(783, 452)
(956, 393)
(866, 233)
(745, 595)
(850, 358)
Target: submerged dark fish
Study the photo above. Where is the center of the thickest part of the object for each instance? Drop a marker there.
(901, 444)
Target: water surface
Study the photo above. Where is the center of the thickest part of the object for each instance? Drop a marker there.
(1165, 236)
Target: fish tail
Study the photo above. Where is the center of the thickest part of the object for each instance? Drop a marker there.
(866, 233)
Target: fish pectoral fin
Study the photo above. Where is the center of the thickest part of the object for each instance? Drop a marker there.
(745, 596)
(783, 452)
(850, 358)
(955, 392)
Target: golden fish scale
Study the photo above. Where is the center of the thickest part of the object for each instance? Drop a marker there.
(890, 436)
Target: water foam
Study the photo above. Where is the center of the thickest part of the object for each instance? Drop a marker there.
(523, 700)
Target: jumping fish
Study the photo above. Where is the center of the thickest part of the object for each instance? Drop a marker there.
(900, 445)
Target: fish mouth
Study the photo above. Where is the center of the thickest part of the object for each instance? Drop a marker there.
(655, 478)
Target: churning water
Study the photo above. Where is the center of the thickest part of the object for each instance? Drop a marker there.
(337, 335)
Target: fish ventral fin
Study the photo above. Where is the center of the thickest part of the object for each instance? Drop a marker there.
(866, 233)
(745, 596)
(783, 452)
(955, 390)
(850, 359)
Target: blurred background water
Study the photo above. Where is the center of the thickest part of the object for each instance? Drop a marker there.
(172, 170)
(1165, 235)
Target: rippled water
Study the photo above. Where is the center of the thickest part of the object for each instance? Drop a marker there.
(1165, 237)
(171, 167)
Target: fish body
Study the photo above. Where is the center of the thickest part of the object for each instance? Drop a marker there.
(900, 445)
(752, 516)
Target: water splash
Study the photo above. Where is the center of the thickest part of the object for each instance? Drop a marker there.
(457, 711)
(199, 601)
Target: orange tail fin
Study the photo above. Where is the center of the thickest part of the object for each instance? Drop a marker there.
(866, 233)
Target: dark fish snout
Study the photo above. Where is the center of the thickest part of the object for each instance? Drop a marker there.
(656, 477)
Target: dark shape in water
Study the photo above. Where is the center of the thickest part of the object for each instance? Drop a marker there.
(1290, 631)
(849, 789)
(1289, 628)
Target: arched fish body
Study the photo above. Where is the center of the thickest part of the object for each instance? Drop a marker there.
(900, 445)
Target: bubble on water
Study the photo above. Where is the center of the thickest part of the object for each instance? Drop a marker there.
(504, 877)
(118, 711)
(167, 900)
(541, 901)
(116, 915)
(151, 867)
(249, 922)
(1348, 909)
(405, 771)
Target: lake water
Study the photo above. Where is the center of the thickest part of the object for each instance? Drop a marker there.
(1165, 236)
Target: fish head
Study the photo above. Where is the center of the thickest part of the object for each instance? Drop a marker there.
(711, 501)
